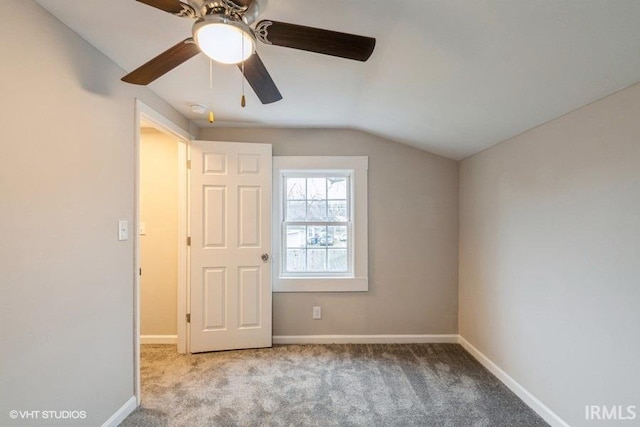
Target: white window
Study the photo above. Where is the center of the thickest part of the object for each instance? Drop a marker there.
(316, 225)
(320, 224)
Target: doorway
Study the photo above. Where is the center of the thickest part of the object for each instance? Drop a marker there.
(162, 238)
(158, 235)
(228, 209)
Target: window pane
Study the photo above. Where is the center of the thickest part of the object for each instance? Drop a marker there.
(316, 235)
(337, 188)
(338, 211)
(317, 210)
(316, 188)
(296, 211)
(337, 237)
(296, 188)
(316, 259)
(296, 260)
(295, 236)
(337, 260)
(326, 239)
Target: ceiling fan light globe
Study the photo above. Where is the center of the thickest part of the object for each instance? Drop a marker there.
(225, 41)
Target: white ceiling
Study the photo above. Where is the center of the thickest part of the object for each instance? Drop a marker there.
(449, 76)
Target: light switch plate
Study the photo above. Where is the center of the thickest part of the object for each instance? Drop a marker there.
(123, 229)
(143, 228)
(317, 312)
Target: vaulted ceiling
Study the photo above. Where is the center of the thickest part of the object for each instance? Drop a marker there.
(449, 76)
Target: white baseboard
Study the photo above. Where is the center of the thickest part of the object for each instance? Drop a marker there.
(543, 410)
(122, 413)
(158, 339)
(363, 339)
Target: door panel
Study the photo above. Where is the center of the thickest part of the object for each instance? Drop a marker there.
(249, 297)
(249, 216)
(215, 299)
(230, 230)
(214, 216)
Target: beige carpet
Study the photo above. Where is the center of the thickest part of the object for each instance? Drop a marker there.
(332, 385)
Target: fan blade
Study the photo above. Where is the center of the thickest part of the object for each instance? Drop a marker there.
(258, 77)
(174, 7)
(333, 43)
(163, 63)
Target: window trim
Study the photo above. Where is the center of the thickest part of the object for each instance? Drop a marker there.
(355, 281)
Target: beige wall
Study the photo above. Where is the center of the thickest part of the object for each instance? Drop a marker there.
(549, 250)
(66, 178)
(413, 211)
(159, 246)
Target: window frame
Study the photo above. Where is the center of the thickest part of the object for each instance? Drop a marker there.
(355, 280)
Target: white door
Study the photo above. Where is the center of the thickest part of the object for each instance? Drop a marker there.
(230, 221)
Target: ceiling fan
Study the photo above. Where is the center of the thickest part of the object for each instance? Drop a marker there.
(223, 32)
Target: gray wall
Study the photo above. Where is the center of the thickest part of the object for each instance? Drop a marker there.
(413, 211)
(549, 257)
(66, 177)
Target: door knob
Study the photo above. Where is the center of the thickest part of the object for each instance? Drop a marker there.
(265, 257)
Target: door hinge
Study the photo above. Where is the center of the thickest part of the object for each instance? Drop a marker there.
(188, 164)
(189, 318)
(189, 241)
(140, 271)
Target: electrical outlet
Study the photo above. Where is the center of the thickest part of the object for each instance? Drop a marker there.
(317, 312)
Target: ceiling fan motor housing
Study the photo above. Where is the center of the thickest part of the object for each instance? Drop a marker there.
(248, 14)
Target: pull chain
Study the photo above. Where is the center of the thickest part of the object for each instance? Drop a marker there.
(243, 101)
(211, 116)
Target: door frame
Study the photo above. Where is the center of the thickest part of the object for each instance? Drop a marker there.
(144, 113)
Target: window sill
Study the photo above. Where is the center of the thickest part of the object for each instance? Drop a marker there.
(334, 284)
